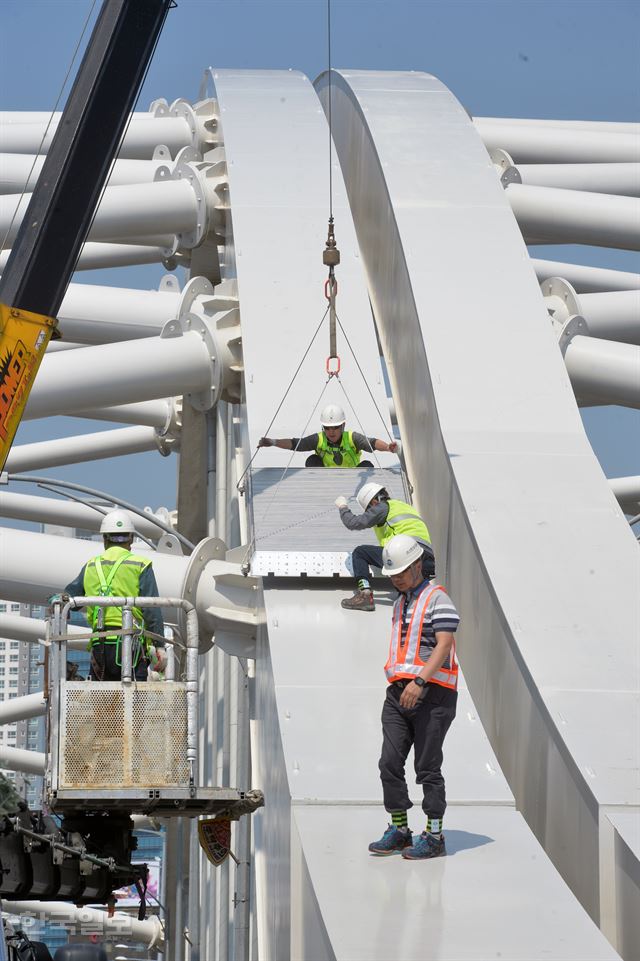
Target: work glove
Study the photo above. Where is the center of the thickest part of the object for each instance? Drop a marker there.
(265, 442)
(60, 598)
(341, 502)
(395, 447)
(158, 660)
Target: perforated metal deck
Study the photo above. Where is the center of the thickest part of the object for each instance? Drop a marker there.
(296, 526)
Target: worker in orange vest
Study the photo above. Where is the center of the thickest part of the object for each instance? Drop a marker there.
(422, 675)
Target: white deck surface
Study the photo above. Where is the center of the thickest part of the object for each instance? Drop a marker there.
(495, 895)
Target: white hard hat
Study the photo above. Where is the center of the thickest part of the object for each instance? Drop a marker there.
(399, 554)
(117, 524)
(332, 416)
(367, 492)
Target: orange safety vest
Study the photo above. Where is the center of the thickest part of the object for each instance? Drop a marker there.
(404, 656)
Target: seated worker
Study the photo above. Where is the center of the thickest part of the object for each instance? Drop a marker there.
(119, 573)
(387, 517)
(333, 445)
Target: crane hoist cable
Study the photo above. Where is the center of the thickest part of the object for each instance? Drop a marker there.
(331, 253)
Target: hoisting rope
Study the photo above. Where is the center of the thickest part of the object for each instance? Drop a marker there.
(331, 254)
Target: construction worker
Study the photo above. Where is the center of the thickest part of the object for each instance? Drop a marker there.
(387, 517)
(333, 446)
(420, 704)
(119, 573)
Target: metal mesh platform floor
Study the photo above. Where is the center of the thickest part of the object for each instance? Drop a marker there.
(296, 526)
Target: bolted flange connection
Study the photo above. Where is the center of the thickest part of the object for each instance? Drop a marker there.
(503, 162)
(216, 318)
(563, 305)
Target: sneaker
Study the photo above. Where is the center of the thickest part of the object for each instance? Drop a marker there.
(361, 601)
(392, 841)
(426, 846)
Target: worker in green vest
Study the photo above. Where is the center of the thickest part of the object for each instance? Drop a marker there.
(333, 446)
(119, 573)
(387, 517)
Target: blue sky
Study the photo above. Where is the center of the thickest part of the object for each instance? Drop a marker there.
(570, 60)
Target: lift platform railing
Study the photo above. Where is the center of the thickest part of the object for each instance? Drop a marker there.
(127, 745)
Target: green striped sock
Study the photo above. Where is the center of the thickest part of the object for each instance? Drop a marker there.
(363, 584)
(434, 825)
(399, 819)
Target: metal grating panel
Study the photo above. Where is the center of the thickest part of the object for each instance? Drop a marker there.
(118, 737)
(296, 525)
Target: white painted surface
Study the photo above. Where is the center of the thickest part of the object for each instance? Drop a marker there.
(527, 533)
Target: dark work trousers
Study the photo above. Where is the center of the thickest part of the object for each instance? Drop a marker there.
(314, 460)
(104, 667)
(366, 556)
(424, 727)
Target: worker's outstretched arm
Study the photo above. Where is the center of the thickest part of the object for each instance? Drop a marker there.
(393, 447)
(372, 517)
(283, 442)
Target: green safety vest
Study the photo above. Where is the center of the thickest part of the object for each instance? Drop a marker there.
(402, 519)
(114, 573)
(346, 447)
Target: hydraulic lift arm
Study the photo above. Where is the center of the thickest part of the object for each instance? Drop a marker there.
(62, 205)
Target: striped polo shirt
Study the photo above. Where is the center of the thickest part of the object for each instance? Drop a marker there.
(440, 615)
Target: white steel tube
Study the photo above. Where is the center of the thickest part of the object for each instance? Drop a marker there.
(143, 135)
(586, 279)
(151, 413)
(121, 926)
(596, 126)
(52, 510)
(544, 144)
(547, 215)
(622, 179)
(627, 492)
(136, 211)
(613, 315)
(20, 172)
(147, 369)
(80, 449)
(604, 372)
(92, 314)
(15, 759)
(22, 708)
(33, 631)
(103, 256)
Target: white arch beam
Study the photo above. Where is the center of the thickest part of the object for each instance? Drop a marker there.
(481, 431)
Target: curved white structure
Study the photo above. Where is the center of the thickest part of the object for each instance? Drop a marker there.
(541, 763)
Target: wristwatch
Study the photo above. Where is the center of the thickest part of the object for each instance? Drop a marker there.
(420, 681)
